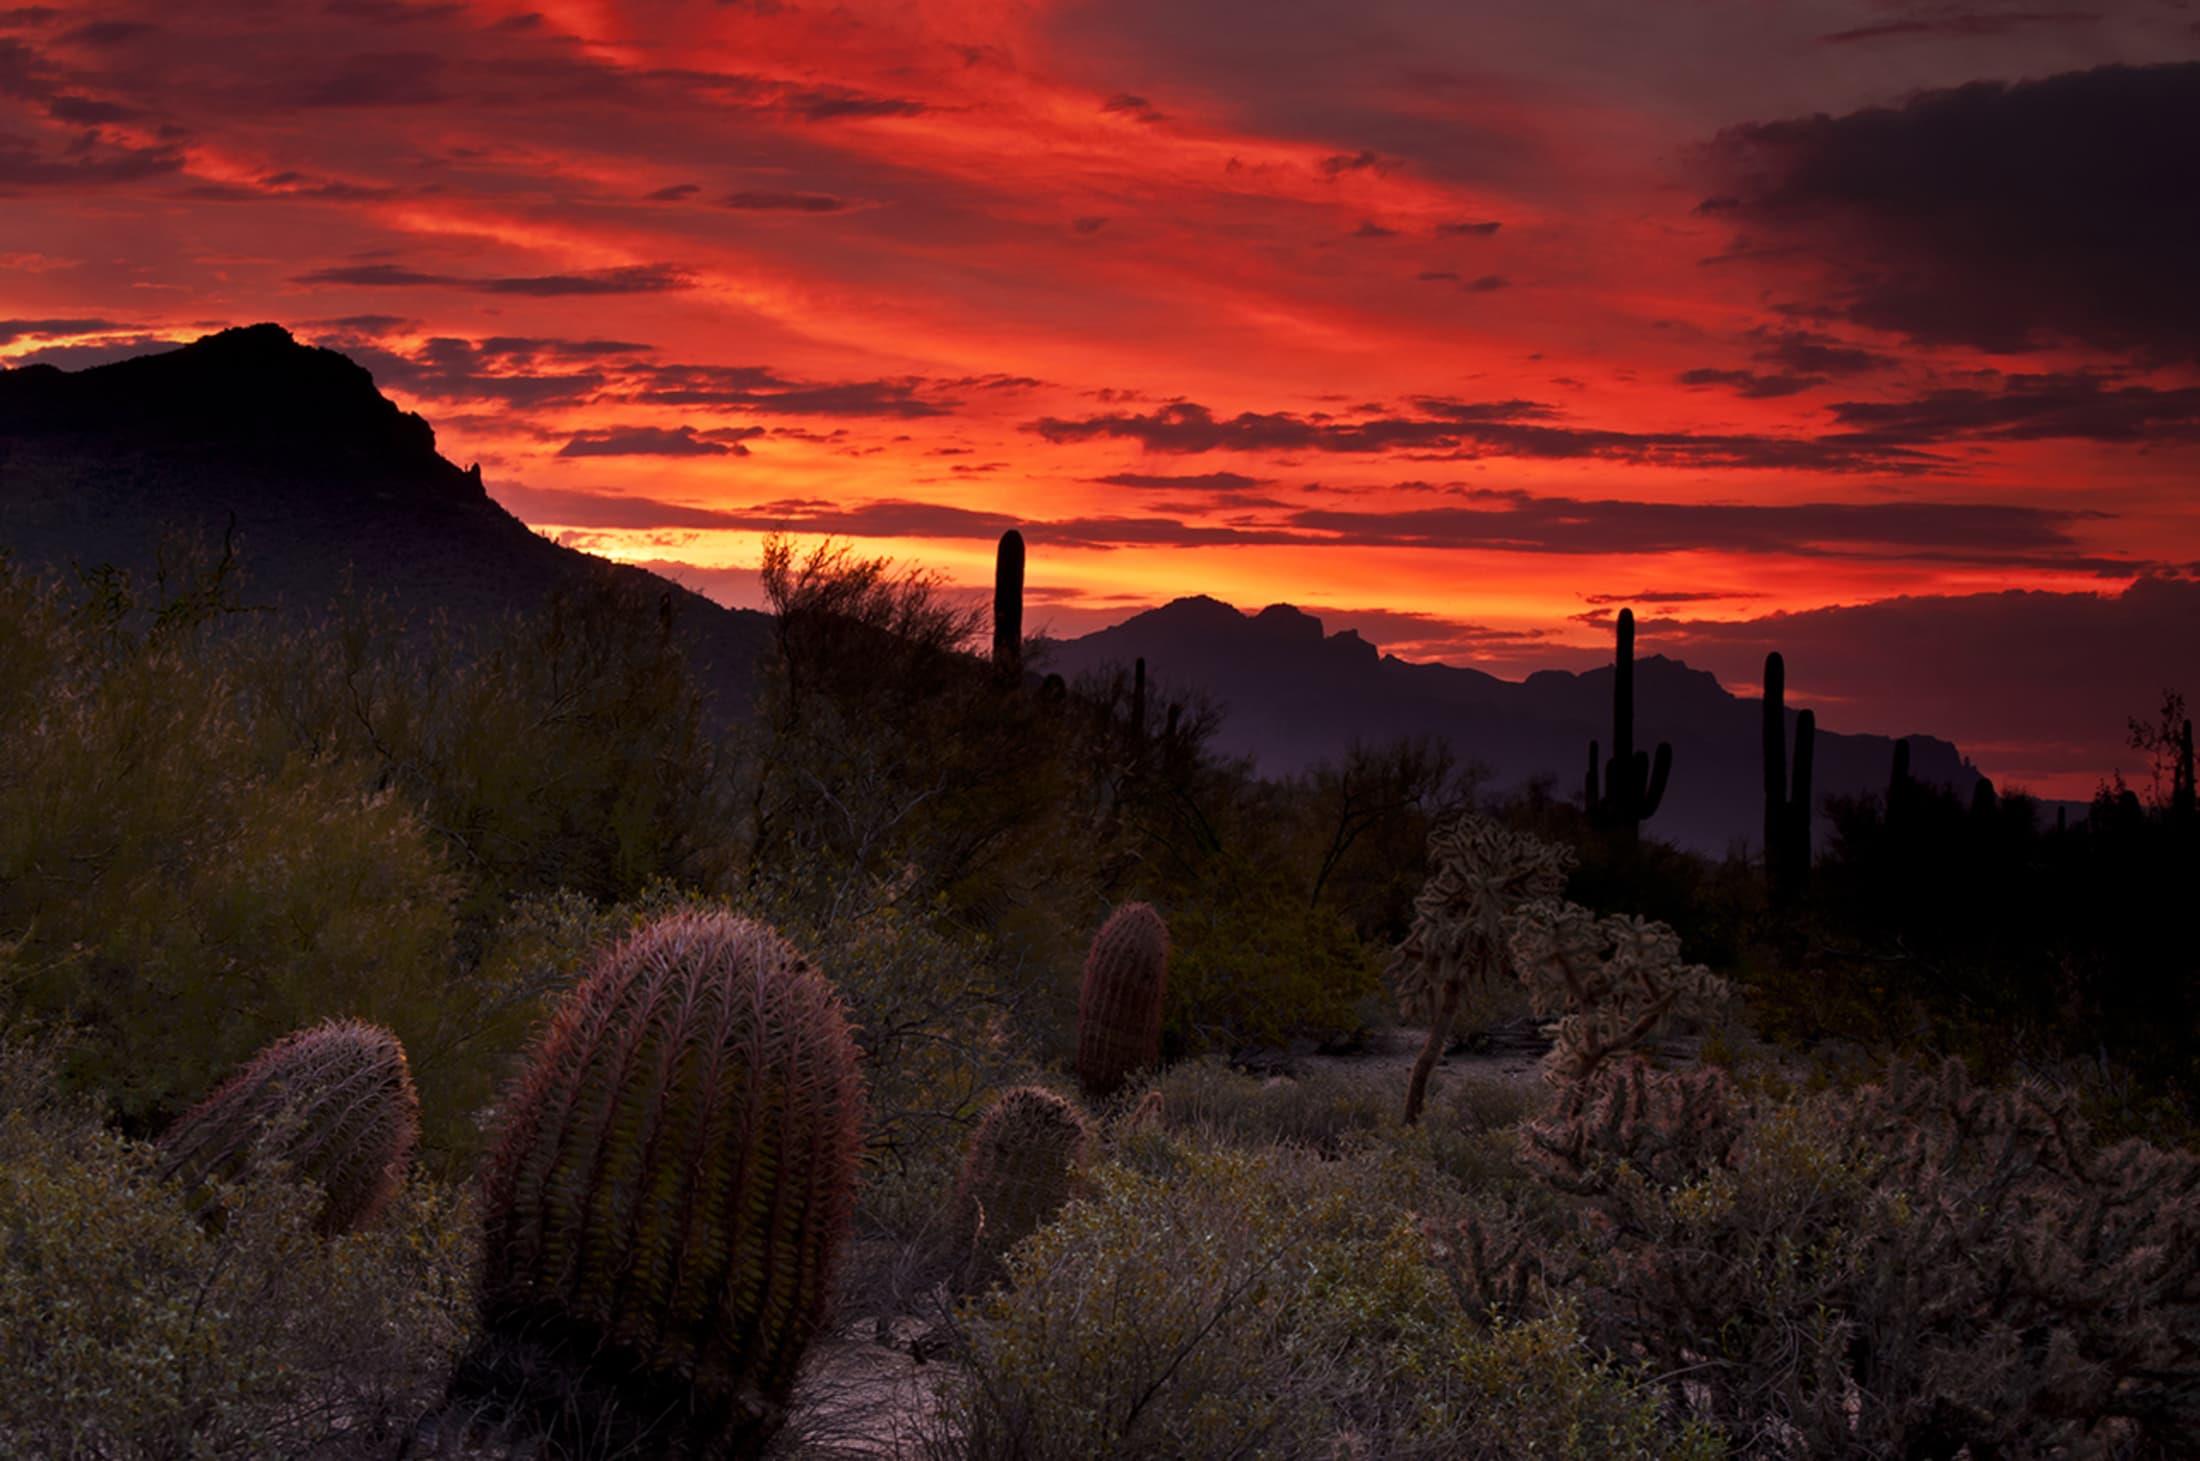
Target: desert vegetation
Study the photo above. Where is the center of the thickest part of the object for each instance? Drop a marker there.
(424, 1041)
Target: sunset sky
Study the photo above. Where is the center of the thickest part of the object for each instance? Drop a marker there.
(1866, 330)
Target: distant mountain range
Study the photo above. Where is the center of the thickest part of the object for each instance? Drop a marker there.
(324, 477)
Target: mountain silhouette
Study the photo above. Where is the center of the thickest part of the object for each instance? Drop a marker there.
(1294, 695)
(326, 482)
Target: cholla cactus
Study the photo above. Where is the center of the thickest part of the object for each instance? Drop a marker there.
(1119, 1002)
(1479, 873)
(334, 1102)
(1611, 980)
(665, 1207)
(1019, 1171)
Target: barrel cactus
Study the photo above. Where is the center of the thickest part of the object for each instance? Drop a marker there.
(1119, 1003)
(1018, 1171)
(668, 1196)
(334, 1103)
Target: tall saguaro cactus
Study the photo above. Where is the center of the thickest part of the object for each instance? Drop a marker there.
(1119, 1002)
(336, 1102)
(1787, 812)
(1008, 607)
(1634, 782)
(669, 1194)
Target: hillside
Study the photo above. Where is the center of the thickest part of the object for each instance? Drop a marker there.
(328, 483)
(1295, 695)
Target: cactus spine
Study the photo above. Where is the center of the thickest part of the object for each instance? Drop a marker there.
(671, 1186)
(334, 1102)
(1008, 607)
(1787, 812)
(1119, 1003)
(1020, 1168)
(1634, 782)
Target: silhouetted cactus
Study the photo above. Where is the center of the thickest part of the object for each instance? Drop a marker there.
(334, 1102)
(1008, 607)
(1119, 1002)
(1787, 813)
(1634, 783)
(668, 1196)
(1020, 1168)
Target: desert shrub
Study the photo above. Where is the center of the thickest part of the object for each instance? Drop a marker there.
(129, 1329)
(1261, 1304)
(161, 870)
(1911, 1268)
(565, 747)
(1256, 965)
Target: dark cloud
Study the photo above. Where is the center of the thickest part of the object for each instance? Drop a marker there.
(2074, 406)
(1482, 229)
(828, 103)
(109, 32)
(677, 193)
(1667, 596)
(1970, 25)
(392, 12)
(608, 510)
(1125, 104)
(634, 279)
(1755, 385)
(786, 202)
(1369, 228)
(1090, 224)
(1475, 429)
(89, 161)
(1806, 352)
(450, 369)
(2001, 215)
(14, 330)
(757, 388)
(1520, 522)
(1344, 162)
(653, 441)
(1217, 482)
(379, 79)
(85, 111)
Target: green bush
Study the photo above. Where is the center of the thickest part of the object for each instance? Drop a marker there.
(128, 1329)
(1270, 1305)
(162, 871)
(1252, 964)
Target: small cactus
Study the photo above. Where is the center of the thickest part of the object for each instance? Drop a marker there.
(1020, 1167)
(1119, 1003)
(669, 1194)
(336, 1103)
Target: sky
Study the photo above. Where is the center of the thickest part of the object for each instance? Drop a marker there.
(1867, 330)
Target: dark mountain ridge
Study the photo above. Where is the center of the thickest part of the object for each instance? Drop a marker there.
(324, 478)
(1295, 695)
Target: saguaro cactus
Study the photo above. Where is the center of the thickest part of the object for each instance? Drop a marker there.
(1020, 1168)
(1119, 1002)
(669, 1194)
(1787, 813)
(1008, 607)
(1634, 782)
(335, 1102)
